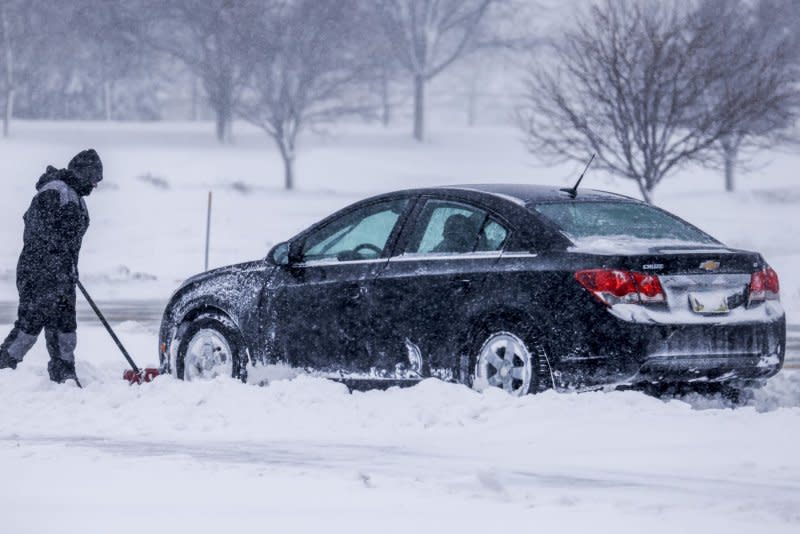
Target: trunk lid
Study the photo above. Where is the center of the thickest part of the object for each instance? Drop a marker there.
(703, 282)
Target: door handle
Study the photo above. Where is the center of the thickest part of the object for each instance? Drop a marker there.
(354, 292)
(462, 284)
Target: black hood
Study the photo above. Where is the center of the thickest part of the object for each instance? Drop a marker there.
(87, 166)
(81, 185)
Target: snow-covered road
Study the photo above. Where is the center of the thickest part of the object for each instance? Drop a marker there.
(304, 454)
(408, 487)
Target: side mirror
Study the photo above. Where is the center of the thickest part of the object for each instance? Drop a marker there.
(279, 255)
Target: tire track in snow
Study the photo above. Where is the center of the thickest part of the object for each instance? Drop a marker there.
(490, 476)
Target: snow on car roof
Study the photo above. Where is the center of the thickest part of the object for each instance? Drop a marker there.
(524, 194)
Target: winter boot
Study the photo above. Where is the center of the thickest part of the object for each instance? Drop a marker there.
(15, 347)
(6, 361)
(62, 370)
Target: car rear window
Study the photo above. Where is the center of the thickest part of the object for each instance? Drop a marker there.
(580, 221)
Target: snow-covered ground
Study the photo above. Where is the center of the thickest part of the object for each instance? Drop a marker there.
(304, 455)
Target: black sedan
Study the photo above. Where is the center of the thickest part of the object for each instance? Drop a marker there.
(519, 287)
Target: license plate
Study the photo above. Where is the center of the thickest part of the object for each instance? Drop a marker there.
(709, 303)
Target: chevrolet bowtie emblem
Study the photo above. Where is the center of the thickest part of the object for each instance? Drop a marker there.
(710, 265)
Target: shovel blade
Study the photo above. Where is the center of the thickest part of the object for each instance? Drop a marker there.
(144, 375)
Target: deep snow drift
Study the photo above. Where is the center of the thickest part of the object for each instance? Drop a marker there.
(303, 454)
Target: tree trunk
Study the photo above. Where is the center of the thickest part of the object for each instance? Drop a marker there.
(472, 102)
(229, 128)
(194, 97)
(223, 109)
(386, 105)
(730, 155)
(288, 171)
(107, 100)
(222, 124)
(647, 192)
(8, 112)
(286, 148)
(419, 108)
(9, 68)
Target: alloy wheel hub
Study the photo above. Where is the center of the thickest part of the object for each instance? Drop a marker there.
(207, 356)
(506, 363)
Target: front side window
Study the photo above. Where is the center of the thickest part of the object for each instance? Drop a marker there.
(453, 228)
(359, 235)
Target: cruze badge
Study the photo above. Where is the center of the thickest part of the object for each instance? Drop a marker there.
(710, 265)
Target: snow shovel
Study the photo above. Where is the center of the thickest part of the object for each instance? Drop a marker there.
(134, 375)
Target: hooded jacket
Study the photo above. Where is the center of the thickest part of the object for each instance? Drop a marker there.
(55, 224)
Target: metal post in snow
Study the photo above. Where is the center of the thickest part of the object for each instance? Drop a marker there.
(208, 228)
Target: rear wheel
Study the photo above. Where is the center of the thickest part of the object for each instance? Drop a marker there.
(502, 358)
(210, 347)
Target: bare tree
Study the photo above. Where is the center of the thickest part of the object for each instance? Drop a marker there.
(633, 82)
(308, 68)
(8, 64)
(113, 31)
(776, 62)
(18, 37)
(427, 36)
(510, 30)
(205, 35)
(386, 79)
(28, 29)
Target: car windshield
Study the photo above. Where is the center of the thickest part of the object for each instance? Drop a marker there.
(586, 221)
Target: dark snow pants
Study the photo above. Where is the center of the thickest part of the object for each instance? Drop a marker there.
(50, 307)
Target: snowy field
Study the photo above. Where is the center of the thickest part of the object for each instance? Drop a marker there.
(304, 455)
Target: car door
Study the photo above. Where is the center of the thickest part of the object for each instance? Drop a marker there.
(322, 299)
(430, 287)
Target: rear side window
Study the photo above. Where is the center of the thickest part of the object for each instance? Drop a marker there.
(584, 220)
(445, 227)
(492, 237)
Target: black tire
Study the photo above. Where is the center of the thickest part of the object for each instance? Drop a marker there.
(226, 329)
(541, 376)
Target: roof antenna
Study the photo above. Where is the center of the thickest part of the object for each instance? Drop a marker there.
(573, 191)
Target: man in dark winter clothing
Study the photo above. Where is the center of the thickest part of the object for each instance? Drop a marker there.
(47, 271)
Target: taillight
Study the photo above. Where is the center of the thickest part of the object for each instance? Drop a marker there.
(612, 286)
(764, 285)
(773, 284)
(650, 290)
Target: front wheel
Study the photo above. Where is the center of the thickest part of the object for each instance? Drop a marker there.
(210, 347)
